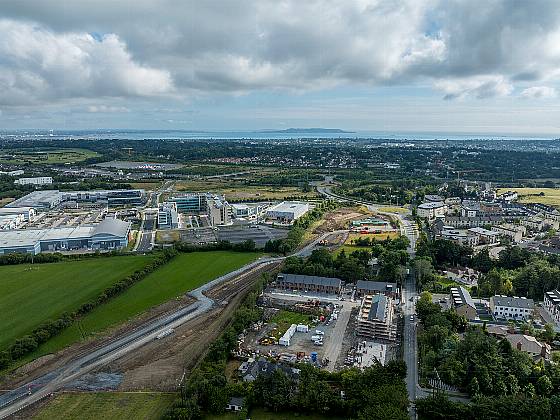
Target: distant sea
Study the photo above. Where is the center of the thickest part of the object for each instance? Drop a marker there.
(259, 134)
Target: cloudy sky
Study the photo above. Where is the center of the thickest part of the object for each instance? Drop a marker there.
(470, 66)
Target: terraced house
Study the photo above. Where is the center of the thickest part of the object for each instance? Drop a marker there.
(303, 283)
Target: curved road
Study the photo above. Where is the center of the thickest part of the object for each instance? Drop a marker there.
(17, 399)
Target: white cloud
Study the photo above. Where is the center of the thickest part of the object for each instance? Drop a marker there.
(539, 92)
(38, 65)
(478, 87)
(106, 109)
(470, 48)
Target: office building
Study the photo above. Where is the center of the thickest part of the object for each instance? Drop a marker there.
(41, 180)
(214, 206)
(168, 217)
(50, 199)
(245, 211)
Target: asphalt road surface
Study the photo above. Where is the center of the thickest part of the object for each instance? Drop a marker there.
(147, 233)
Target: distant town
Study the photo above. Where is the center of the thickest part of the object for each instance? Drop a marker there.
(268, 271)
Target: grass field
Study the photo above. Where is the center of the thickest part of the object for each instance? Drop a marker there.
(349, 247)
(31, 294)
(167, 236)
(107, 406)
(548, 196)
(286, 318)
(185, 272)
(50, 156)
(234, 190)
(393, 209)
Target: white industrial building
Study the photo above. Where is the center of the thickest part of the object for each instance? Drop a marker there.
(511, 307)
(287, 211)
(11, 221)
(40, 180)
(110, 234)
(432, 210)
(28, 213)
(13, 173)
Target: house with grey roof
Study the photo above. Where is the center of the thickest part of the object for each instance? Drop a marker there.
(462, 302)
(365, 287)
(254, 368)
(317, 284)
(511, 307)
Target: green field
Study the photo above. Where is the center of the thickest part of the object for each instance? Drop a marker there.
(33, 293)
(185, 272)
(548, 196)
(286, 318)
(107, 406)
(49, 156)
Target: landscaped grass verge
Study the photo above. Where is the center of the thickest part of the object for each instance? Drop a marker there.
(107, 406)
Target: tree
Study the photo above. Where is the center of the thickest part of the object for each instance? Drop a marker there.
(548, 334)
(423, 270)
(544, 385)
(474, 388)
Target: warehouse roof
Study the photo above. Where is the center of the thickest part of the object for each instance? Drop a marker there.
(314, 280)
(288, 206)
(34, 198)
(29, 237)
(110, 226)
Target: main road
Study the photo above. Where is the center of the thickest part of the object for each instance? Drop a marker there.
(17, 399)
(409, 296)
